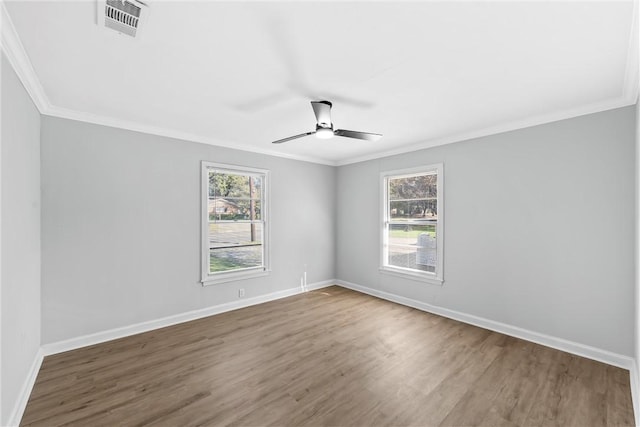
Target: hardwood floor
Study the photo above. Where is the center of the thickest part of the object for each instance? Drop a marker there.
(327, 357)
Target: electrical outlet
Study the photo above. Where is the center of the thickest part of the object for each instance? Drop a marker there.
(241, 293)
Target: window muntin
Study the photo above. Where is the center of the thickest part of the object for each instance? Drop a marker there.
(234, 222)
(412, 223)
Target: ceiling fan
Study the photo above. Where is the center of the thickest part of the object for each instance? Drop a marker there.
(324, 126)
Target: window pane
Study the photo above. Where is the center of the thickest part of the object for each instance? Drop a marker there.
(234, 210)
(413, 187)
(226, 259)
(399, 210)
(234, 245)
(408, 234)
(235, 232)
(234, 186)
(413, 209)
(224, 234)
(411, 221)
(412, 246)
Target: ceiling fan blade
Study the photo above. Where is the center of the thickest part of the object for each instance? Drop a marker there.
(358, 135)
(280, 141)
(322, 110)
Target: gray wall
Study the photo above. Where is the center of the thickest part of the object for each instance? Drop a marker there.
(538, 231)
(121, 227)
(20, 229)
(539, 228)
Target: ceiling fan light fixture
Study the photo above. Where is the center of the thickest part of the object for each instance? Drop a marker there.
(324, 133)
(324, 126)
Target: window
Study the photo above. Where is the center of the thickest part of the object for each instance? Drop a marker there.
(412, 215)
(234, 222)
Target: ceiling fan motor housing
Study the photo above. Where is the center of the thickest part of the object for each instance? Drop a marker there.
(324, 126)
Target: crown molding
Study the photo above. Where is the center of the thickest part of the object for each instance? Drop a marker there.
(19, 60)
(494, 130)
(171, 133)
(478, 133)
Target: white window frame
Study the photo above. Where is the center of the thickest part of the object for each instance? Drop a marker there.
(437, 277)
(208, 278)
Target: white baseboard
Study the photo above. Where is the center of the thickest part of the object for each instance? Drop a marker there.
(320, 285)
(543, 339)
(125, 331)
(25, 391)
(589, 352)
(635, 390)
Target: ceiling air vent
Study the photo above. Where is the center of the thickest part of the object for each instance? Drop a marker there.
(124, 16)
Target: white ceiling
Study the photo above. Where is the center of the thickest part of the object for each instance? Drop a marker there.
(241, 74)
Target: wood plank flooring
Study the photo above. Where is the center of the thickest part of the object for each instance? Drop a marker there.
(327, 357)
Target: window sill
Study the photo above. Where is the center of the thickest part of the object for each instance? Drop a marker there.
(233, 276)
(430, 279)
